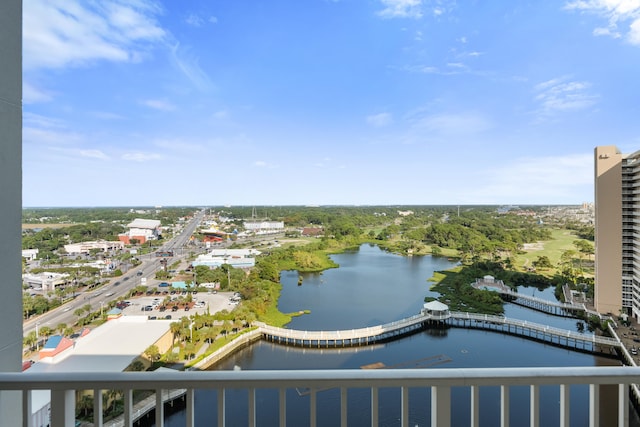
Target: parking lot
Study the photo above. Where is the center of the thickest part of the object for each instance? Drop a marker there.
(202, 301)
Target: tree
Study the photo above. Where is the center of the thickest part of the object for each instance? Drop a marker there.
(85, 405)
(45, 332)
(175, 328)
(153, 353)
(542, 262)
(30, 339)
(61, 328)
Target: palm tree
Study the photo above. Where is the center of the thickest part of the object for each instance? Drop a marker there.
(85, 405)
(61, 328)
(45, 331)
(175, 328)
(30, 340)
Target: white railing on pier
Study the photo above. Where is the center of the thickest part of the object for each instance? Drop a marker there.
(564, 333)
(344, 334)
(372, 333)
(440, 382)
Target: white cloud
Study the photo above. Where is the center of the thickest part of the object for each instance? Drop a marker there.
(34, 95)
(213, 19)
(62, 33)
(380, 120)
(616, 13)
(93, 154)
(221, 115)
(545, 179)
(449, 69)
(194, 20)
(179, 145)
(453, 124)
(106, 115)
(559, 94)
(401, 9)
(158, 104)
(189, 65)
(263, 164)
(141, 157)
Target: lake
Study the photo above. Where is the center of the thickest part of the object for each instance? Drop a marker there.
(372, 287)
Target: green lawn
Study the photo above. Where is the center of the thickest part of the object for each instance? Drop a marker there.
(562, 241)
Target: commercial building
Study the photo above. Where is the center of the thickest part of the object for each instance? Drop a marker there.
(264, 227)
(141, 230)
(47, 281)
(86, 247)
(617, 231)
(237, 258)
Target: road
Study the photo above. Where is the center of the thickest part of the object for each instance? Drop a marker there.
(117, 287)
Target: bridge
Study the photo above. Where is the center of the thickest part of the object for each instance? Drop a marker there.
(389, 331)
(551, 307)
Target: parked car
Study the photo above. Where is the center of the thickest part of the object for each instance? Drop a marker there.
(164, 285)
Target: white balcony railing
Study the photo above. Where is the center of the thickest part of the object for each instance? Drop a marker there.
(439, 381)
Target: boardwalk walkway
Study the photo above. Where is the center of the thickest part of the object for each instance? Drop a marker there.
(535, 303)
(375, 334)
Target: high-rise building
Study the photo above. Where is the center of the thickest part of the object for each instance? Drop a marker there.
(617, 231)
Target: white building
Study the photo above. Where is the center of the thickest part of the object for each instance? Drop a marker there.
(264, 227)
(237, 258)
(141, 230)
(45, 280)
(85, 247)
(30, 254)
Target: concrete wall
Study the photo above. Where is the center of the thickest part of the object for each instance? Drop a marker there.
(608, 229)
(10, 201)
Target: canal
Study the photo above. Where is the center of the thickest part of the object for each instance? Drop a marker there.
(373, 287)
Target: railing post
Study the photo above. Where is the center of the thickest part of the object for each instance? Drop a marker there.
(27, 420)
(404, 418)
(159, 409)
(475, 406)
(594, 405)
(564, 405)
(283, 407)
(128, 407)
(97, 408)
(623, 405)
(221, 407)
(534, 407)
(374, 407)
(343, 406)
(190, 404)
(312, 408)
(504, 406)
(252, 407)
(441, 406)
(63, 408)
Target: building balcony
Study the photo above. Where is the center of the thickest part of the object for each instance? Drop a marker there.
(439, 405)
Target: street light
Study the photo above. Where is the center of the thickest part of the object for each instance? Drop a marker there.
(101, 306)
(37, 336)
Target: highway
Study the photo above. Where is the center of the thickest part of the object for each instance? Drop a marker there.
(117, 287)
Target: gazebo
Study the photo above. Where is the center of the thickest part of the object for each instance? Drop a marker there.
(436, 310)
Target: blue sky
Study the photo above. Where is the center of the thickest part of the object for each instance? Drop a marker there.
(248, 102)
